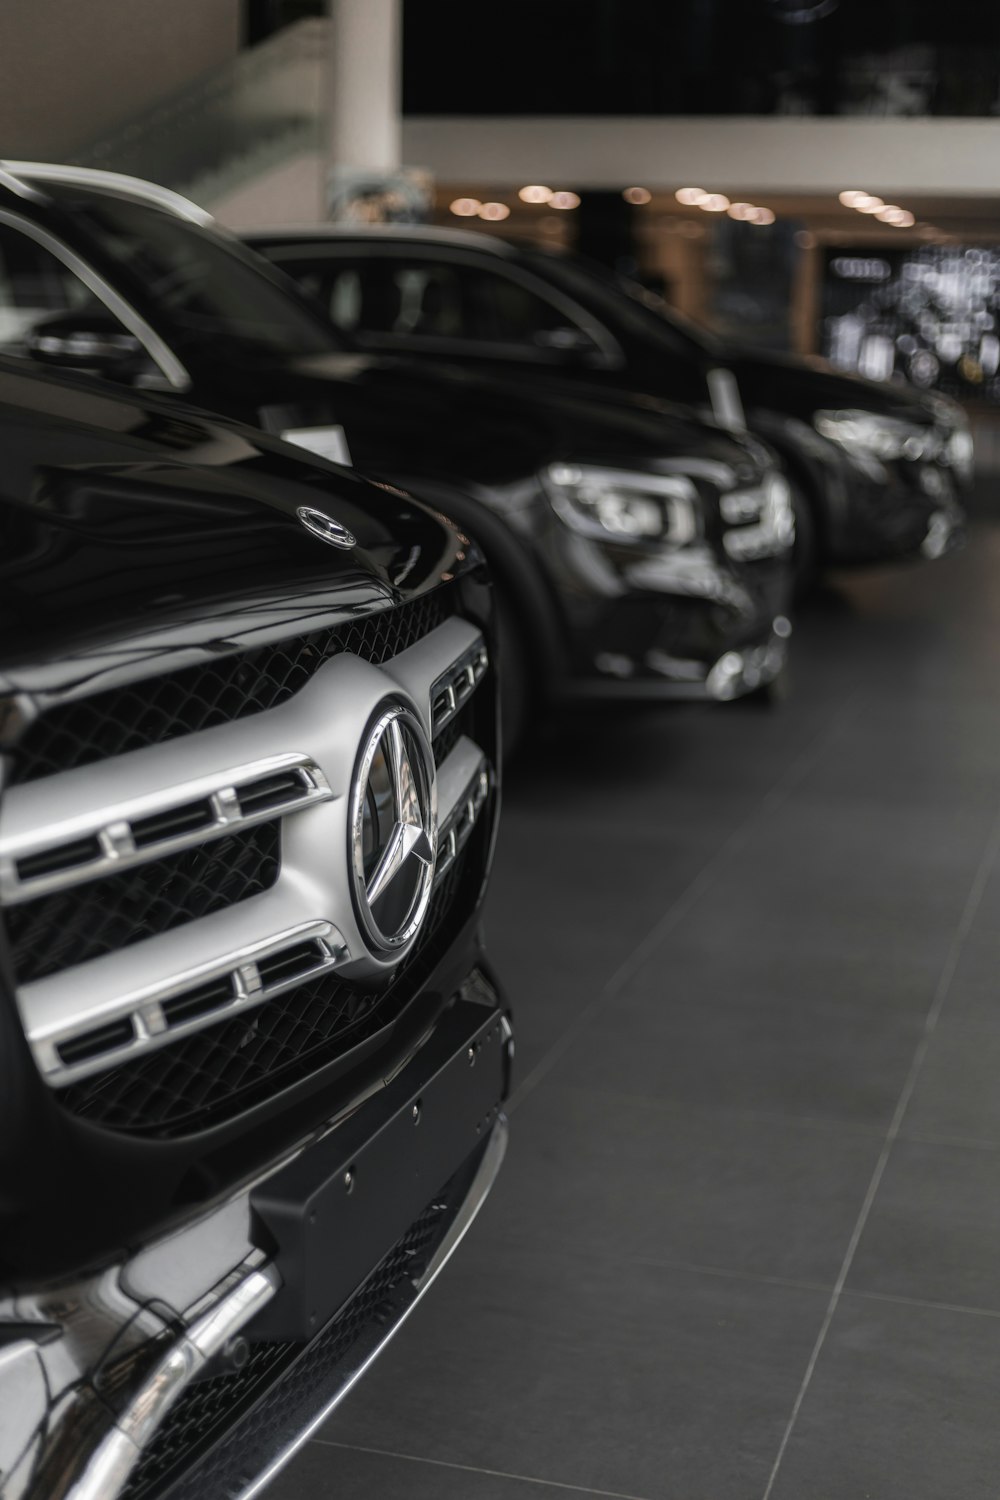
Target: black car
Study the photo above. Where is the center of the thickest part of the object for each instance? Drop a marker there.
(252, 1055)
(877, 470)
(634, 547)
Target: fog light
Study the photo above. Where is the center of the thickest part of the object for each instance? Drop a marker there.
(725, 677)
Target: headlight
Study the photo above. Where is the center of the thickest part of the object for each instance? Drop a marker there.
(885, 438)
(623, 505)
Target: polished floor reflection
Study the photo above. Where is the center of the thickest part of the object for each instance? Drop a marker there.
(745, 1244)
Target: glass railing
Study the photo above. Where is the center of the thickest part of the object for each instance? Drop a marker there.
(261, 109)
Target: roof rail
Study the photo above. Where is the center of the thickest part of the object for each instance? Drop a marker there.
(15, 184)
(13, 173)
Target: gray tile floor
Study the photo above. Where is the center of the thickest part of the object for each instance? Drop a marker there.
(746, 1245)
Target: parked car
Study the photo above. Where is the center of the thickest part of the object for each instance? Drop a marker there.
(252, 1054)
(634, 547)
(877, 470)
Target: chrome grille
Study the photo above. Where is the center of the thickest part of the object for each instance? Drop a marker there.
(179, 703)
(209, 1077)
(180, 915)
(68, 927)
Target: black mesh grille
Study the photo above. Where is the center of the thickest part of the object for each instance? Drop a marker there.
(277, 1375)
(161, 708)
(209, 1077)
(53, 932)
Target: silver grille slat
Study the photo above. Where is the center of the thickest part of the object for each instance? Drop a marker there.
(84, 1019)
(456, 685)
(463, 785)
(119, 841)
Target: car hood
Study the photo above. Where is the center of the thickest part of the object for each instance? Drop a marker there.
(801, 387)
(133, 520)
(400, 416)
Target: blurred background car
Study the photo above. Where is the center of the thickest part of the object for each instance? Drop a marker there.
(635, 548)
(877, 470)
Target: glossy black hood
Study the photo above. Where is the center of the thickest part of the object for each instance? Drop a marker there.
(127, 516)
(800, 387)
(444, 422)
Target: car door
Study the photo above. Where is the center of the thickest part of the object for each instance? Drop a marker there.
(418, 300)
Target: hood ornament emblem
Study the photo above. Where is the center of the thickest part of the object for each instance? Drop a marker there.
(326, 528)
(393, 831)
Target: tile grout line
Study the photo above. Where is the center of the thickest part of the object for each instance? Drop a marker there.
(969, 911)
(964, 1308)
(695, 888)
(441, 1463)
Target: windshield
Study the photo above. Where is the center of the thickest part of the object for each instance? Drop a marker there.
(620, 301)
(202, 286)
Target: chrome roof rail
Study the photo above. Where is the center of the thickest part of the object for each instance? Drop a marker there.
(15, 184)
(118, 182)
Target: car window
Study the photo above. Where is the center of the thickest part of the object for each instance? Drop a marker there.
(34, 286)
(204, 287)
(421, 299)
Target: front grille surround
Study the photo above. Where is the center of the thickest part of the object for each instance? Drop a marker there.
(180, 1059)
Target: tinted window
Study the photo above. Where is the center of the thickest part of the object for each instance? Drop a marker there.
(427, 299)
(203, 288)
(34, 285)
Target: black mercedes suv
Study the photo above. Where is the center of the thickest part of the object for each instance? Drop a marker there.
(252, 1055)
(877, 470)
(635, 549)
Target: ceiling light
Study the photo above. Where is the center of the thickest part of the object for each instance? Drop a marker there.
(637, 195)
(494, 211)
(890, 213)
(714, 203)
(465, 208)
(852, 197)
(690, 197)
(871, 205)
(741, 211)
(535, 193)
(564, 200)
(762, 216)
(903, 220)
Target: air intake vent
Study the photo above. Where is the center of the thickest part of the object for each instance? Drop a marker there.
(96, 1042)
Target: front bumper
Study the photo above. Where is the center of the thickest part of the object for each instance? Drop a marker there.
(125, 1394)
(897, 510)
(687, 629)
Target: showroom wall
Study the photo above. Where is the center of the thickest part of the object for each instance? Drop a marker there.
(779, 154)
(71, 71)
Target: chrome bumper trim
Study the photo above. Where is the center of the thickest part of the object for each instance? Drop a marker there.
(118, 1449)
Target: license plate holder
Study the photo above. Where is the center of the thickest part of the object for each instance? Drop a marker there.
(333, 1213)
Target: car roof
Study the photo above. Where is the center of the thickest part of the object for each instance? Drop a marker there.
(426, 233)
(20, 174)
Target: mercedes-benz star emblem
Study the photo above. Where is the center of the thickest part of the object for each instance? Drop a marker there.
(393, 830)
(325, 527)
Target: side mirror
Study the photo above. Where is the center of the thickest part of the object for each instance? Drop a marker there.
(88, 340)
